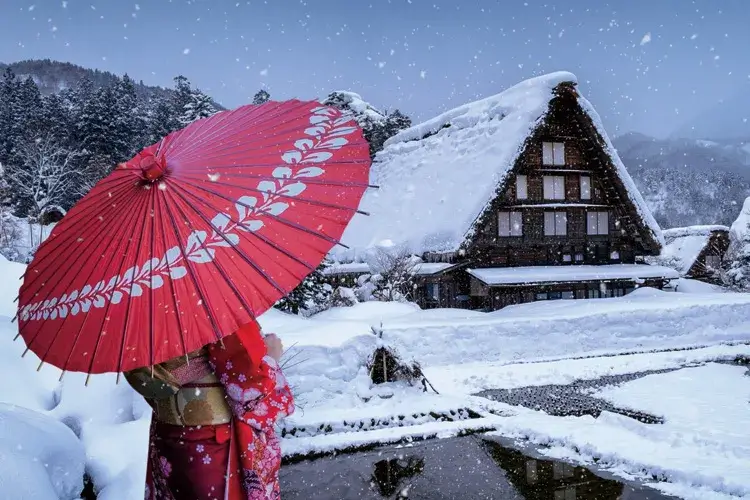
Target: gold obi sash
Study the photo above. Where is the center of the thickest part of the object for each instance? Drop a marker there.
(199, 402)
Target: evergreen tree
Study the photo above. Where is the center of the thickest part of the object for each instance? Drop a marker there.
(9, 90)
(261, 96)
(129, 120)
(200, 106)
(736, 272)
(162, 121)
(182, 96)
(308, 297)
(57, 119)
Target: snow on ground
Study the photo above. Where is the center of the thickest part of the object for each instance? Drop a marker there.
(702, 449)
(11, 272)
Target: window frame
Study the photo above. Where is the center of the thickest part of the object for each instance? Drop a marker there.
(553, 182)
(559, 218)
(553, 153)
(596, 216)
(581, 187)
(522, 180)
(511, 214)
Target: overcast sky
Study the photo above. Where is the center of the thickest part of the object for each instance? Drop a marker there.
(647, 65)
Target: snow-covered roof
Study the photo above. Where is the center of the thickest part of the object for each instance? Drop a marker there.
(436, 178)
(560, 274)
(741, 225)
(429, 268)
(684, 245)
(681, 232)
(347, 268)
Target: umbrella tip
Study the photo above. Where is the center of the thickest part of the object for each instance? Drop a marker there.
(61, 376)
(88, 378)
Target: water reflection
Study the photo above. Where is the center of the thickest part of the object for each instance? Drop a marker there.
(461, 468)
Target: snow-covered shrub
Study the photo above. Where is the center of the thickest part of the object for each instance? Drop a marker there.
(309, 297)
(343, 297)
(10, 237)
(393, 277)
(736, 271)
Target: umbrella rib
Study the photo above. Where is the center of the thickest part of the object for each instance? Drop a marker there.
(237, 135)
(285, 196)
(62, 323)
(242, 254)
(173, 295)
(254, 233)
(72, 263)
(246, 135)
(203, 298)
(42, 252)
(132, 282)
(123, 263)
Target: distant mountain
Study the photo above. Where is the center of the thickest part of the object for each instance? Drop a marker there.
(53, 76)
(688, 182)
(727, 120)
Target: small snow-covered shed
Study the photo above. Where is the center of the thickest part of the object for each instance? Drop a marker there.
(695, 252)
(524, 178)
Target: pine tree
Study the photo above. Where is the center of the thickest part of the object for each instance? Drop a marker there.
(308, 297)
(57, 119)
(129, 121)
(162, 121)
(200, 106)
(261, 96)
(736, 272)
(182, 96)
(9, 90)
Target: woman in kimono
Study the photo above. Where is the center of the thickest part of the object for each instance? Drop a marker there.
(212, 431)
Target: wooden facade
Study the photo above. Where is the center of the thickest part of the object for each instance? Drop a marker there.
(563, 203)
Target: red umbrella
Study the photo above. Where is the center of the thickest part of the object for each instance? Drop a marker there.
(194, 237)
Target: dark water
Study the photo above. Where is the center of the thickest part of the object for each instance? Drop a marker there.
(464, 468)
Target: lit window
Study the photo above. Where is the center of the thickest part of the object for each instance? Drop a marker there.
(553, 153)
(579, 257)
(509, 224)
(555, 223)
(597, 223)
(554, 187)
(585, 187)
(567, 257)
(522, 191)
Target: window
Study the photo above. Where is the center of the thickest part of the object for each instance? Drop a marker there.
(579, 257)
(555, 295)
(433, 291)
(554, 187)
(713, 262)
(531, 472)
(555, 223)
(615, 255)
(580, 294)
(597, 223)
(510, 224)
(585, 187)
(567, 258)
(541, 296)
(522, 190)
(553, 153)
(568, 295)
(629, 290)
(619, 292)
(593, 293)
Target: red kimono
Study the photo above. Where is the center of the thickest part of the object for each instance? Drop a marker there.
(237, 460)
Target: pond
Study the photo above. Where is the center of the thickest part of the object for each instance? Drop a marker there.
(466, 468)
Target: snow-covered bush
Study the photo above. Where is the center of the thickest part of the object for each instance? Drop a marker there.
(393, 274)
(10, 237)
(736, 271)
(343, 297)
(310, 297)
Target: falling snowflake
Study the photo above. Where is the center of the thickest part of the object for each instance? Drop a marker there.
(31, 7)
(381, 64)
(137, 7)
(65, 4)
(186, 51)
(646, 38)
(264, 72)
(423, 74)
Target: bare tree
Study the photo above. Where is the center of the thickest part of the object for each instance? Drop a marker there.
(47, 176)
(393, 276)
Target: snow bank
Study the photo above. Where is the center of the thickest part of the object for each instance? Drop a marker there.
(11, 273)
(40, 458)
(645, 320)
(681, 232)
(702, 448)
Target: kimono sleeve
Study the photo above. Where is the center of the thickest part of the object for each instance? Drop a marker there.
(258, 394)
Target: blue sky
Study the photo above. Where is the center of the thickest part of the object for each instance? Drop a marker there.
(647, 65)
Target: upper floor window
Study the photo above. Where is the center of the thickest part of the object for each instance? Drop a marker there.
(554, 187)
(555, 224)
(597, 223)
(522, 187)
(553, 153)
(585, 187)
(509, 224)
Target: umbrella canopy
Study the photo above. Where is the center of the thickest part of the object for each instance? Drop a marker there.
(194, 237)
